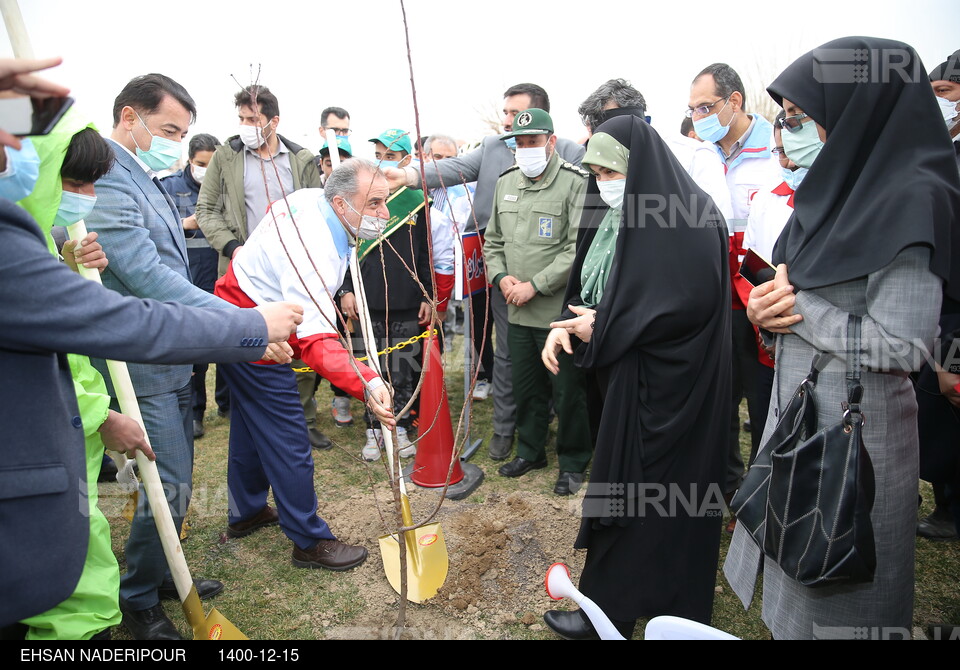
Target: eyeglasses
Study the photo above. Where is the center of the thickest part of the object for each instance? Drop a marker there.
(702, 110)
(343, 132)
(777, 151)
(793, 123)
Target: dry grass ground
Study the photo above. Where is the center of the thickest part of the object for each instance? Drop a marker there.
(501, 541)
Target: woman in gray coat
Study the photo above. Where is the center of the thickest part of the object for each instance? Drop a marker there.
(870, 236)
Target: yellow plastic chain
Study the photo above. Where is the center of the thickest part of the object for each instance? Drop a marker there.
(389, 350)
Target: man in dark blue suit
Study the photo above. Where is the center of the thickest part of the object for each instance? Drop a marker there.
(48, 309)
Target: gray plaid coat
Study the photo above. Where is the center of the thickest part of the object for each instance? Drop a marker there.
(900, 305)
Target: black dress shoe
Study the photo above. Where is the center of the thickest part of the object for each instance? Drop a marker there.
(568, 483)
(521, 466)
(318, 440)
(108, 470)
(501, 447)
(938, 526)
(570, 625)
(150, 624)
(206, 589)
(198, 430)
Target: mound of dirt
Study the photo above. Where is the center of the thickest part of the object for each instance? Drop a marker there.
(499, 553)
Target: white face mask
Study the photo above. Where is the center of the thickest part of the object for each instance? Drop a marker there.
(197, 172)
(950, 114)
(532, 161)
(948, 108)
(254, 138)
(371, 227)
(612, 191)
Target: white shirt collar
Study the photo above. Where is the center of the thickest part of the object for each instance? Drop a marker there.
(150, 173)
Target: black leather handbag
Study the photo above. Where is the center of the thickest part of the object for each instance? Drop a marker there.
(807, 497)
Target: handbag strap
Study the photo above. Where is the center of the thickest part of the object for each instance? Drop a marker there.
(854, 367)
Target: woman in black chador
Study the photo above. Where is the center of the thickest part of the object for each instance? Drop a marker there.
(650, 297)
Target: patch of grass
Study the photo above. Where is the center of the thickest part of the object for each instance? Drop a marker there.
(268, 598)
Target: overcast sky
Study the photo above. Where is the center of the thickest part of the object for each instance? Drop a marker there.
(352, 54)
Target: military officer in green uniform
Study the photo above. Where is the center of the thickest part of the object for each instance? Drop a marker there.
(529, 247)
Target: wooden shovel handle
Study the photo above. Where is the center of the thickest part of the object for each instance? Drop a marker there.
(127, 397)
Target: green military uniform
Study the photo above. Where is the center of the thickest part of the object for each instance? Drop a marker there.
(532, 236)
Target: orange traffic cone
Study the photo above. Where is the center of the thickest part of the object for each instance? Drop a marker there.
(435, 443)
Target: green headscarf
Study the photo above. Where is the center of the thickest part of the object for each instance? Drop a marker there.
(44, 201)
(603, 151)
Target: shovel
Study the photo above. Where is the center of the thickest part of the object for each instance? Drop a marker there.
(427, 560)
(213, 626)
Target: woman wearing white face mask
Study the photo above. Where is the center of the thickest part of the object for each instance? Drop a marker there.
(649, 297)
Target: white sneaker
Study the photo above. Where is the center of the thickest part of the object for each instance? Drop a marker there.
(405, 448)
(371, 450)
(340, 408)
(482, 390)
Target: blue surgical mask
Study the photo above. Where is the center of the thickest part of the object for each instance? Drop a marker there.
(611, 191)
(162, 152)
(794, 177)
(803, 146)
(388, 164)
(74, 207)
(23, 169)
(709, 129)
(511, 143)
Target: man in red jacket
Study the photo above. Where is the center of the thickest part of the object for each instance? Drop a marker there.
(300, 248)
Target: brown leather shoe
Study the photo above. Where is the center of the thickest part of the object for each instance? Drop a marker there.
(265, 517)
(329, 554)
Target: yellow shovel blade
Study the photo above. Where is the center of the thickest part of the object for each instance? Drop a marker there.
(217, 627)
(213, 626)
(427, 561)
(130, 507)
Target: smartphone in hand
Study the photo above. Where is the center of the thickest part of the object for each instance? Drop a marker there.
(755, 269)
(22, 115)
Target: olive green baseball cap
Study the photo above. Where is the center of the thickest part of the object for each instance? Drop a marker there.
(532, 121)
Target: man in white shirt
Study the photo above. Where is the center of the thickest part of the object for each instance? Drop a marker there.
(301, 250)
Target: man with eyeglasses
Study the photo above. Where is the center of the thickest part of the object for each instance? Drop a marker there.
(744, 142)
(336, 119)
(769, 212)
